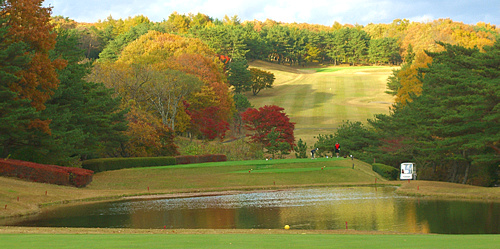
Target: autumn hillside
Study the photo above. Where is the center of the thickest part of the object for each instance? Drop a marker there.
(136, 88)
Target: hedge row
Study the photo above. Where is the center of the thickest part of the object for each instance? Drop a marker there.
(106, 164)
(46, 173)
(386, 171)
(200, 159)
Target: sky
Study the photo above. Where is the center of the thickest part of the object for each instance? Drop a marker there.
(324, 12)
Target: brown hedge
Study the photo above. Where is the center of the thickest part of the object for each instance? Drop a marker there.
(200, 159)
(46, 173)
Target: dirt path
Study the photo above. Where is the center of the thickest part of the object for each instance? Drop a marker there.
(70, 230)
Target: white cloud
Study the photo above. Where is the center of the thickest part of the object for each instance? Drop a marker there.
(310, 11)
(424, 18)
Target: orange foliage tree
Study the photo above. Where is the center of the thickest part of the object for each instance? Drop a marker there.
(163, 52)
(30, 23)
(147, 135)
(209, 71)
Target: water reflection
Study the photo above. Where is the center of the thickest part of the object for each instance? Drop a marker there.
(365, 208)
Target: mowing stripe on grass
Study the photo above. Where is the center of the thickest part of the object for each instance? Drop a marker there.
(243, 163)
(337, 69)
(288, 170)
(308, 100)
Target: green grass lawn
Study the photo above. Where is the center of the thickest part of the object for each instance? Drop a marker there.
(336, 69)
(237, 174)
(318, 100)
(34, 241)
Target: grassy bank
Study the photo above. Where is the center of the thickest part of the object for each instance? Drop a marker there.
(448, 190)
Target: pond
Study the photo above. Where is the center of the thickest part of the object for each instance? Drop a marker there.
(357, 208)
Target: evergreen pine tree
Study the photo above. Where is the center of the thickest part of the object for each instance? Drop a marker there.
(16, 115)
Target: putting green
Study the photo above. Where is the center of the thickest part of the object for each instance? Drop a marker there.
(293, 170)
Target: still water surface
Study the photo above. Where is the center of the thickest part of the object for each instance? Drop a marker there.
(360, 208)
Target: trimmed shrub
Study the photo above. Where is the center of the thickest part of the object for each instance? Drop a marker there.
(45, 173)
(107, 164)
(200, 159)
(186, 159)
(386, 171)
(79, 177)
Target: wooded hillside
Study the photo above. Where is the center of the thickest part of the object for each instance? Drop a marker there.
(119, 88)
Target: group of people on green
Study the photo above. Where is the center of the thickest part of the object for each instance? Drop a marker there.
(337, 150)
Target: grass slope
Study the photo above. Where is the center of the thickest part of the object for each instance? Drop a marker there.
(236, 175)
(318, 100)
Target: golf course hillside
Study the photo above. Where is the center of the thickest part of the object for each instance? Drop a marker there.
(318, 100)
(18, 197)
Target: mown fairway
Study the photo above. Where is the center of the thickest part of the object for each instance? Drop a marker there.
(319, 100)
(290, 240)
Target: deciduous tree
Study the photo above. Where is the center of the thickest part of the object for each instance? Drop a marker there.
(29, 23)
(207, 119)
(260, 79)
(260, 122)
(165, 91)
(147, 136)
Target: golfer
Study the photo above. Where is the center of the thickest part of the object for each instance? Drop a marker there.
(312, 152)
(337, 149)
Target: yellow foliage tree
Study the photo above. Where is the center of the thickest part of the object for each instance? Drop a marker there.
(155, 47)
(423, 37)
(143, 62)
(410, 83)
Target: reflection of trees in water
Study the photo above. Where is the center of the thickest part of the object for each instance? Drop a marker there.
(185, 218)
(362, 212)
(460, 217)
(364, 208)
(406, 213)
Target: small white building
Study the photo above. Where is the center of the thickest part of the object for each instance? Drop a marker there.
(408, 172)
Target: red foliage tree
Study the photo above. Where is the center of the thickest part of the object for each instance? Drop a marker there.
(209, 72)
(206, 121)
(262, 121)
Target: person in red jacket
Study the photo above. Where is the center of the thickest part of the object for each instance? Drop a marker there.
(337, 149)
